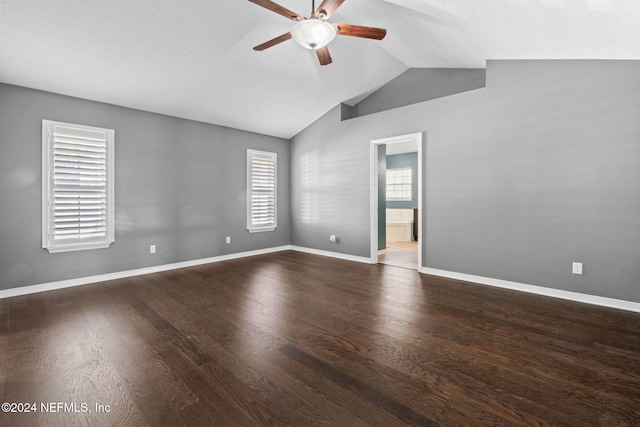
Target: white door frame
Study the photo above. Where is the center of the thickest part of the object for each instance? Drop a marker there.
(418, 137)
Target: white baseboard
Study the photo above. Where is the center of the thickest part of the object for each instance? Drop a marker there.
(25, 290)
(130, 273)
(331, 254)
(539, 290)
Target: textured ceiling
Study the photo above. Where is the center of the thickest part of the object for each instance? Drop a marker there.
(194, 59)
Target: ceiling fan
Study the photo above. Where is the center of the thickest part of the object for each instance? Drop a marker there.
(315, 32)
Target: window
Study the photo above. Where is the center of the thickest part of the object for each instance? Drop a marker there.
(77, 187)
(399, 184)
(261, 191)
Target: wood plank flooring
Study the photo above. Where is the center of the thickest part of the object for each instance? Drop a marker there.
(298, 339)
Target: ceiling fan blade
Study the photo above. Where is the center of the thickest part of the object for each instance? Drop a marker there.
(323, 55)
(326, 9)
(273, 42)
(274, 7)
(359, 31)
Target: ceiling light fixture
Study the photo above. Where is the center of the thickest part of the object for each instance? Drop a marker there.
(313, 33)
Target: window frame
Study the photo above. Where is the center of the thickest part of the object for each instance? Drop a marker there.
(401, 198)
(266, 155)
(49, 241)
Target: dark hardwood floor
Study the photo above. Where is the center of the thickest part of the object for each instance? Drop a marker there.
(297, 339)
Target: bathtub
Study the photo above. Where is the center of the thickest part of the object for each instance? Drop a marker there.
(399, 225)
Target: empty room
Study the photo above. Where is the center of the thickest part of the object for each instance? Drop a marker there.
(331, 212)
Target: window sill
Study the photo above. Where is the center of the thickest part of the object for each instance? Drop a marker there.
(261, 229)
(78, 247)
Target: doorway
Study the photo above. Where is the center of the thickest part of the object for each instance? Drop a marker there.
(396, 205)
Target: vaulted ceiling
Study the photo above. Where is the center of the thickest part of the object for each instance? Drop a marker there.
(194, 59)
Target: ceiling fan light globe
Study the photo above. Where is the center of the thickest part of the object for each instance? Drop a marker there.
(313, 33)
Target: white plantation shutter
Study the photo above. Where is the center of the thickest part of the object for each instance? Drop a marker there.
(261, 191)
(77, 187)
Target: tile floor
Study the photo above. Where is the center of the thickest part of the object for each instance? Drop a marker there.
(400, 254)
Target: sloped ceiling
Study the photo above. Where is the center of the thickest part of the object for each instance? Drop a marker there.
(194, 59)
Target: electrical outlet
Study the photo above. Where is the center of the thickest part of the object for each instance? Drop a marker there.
(228, 239)
(152, 249)
(576, 268)
(332, 238)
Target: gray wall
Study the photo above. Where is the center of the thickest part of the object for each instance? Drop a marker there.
(539, 169)
(418, 85)
(179, 184)
(382, 194)
(405, 160)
